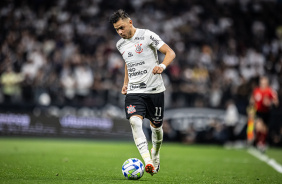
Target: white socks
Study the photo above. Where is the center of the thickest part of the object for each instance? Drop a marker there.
(157, 139)
(140, 138)
(141, 141)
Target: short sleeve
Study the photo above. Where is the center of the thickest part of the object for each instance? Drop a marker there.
(273, 94)
(119, 44)
(154, 40)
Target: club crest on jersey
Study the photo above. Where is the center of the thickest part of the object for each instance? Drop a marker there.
(131, 109)
(138, 48)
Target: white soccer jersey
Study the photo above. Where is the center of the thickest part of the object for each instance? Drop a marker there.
(140, 56)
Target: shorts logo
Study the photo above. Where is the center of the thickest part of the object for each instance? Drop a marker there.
(138, 48)
(131, 109)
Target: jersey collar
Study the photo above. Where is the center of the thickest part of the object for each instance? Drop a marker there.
(135, 34)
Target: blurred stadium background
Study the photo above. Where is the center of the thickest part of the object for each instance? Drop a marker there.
(61, 75)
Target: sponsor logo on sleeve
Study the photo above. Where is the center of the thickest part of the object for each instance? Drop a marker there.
(156, 42)
(120, 45)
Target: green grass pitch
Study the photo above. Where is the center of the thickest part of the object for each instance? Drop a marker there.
(26, 160)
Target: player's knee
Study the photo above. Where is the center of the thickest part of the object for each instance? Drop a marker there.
(157, 128)
(156, 125)
(135, 121)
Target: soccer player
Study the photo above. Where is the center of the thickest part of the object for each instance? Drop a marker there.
(143, 84)
(263, 97)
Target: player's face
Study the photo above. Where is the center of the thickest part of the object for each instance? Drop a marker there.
(124, 28)
(263, 82)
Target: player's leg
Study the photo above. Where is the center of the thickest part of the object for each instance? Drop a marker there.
(261, 134)
(156, 110)
(141, 142)
(139, 137)
(261, 130)
(135, 111)
(157, 139)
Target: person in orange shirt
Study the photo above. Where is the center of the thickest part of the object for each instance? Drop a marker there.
(262, 98)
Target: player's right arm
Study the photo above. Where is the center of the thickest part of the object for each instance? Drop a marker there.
(125, 82)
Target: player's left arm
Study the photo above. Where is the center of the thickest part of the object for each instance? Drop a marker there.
(275, 99)
(169, 56)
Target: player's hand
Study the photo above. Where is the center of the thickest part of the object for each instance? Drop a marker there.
(124, 90)
(157, 70)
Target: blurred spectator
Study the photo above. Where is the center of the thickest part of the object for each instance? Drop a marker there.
(83, 77)
(68, 83)
(169, 133)
(215, 95)
(66, 49)
(231, 119)
(63, 52)
(10, 82)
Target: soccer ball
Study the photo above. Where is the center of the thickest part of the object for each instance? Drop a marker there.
(133, 169)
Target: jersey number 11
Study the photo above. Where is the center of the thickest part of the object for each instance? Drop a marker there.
(158, 111)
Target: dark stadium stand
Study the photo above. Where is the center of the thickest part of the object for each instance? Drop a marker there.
(62, 53)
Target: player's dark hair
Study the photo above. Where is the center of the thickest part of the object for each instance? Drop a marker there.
(120, 14)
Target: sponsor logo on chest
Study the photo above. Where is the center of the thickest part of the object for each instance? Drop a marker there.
(139, 38)
(130, 54)
(138, 86)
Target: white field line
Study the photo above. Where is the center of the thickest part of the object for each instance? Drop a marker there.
(271, 162)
